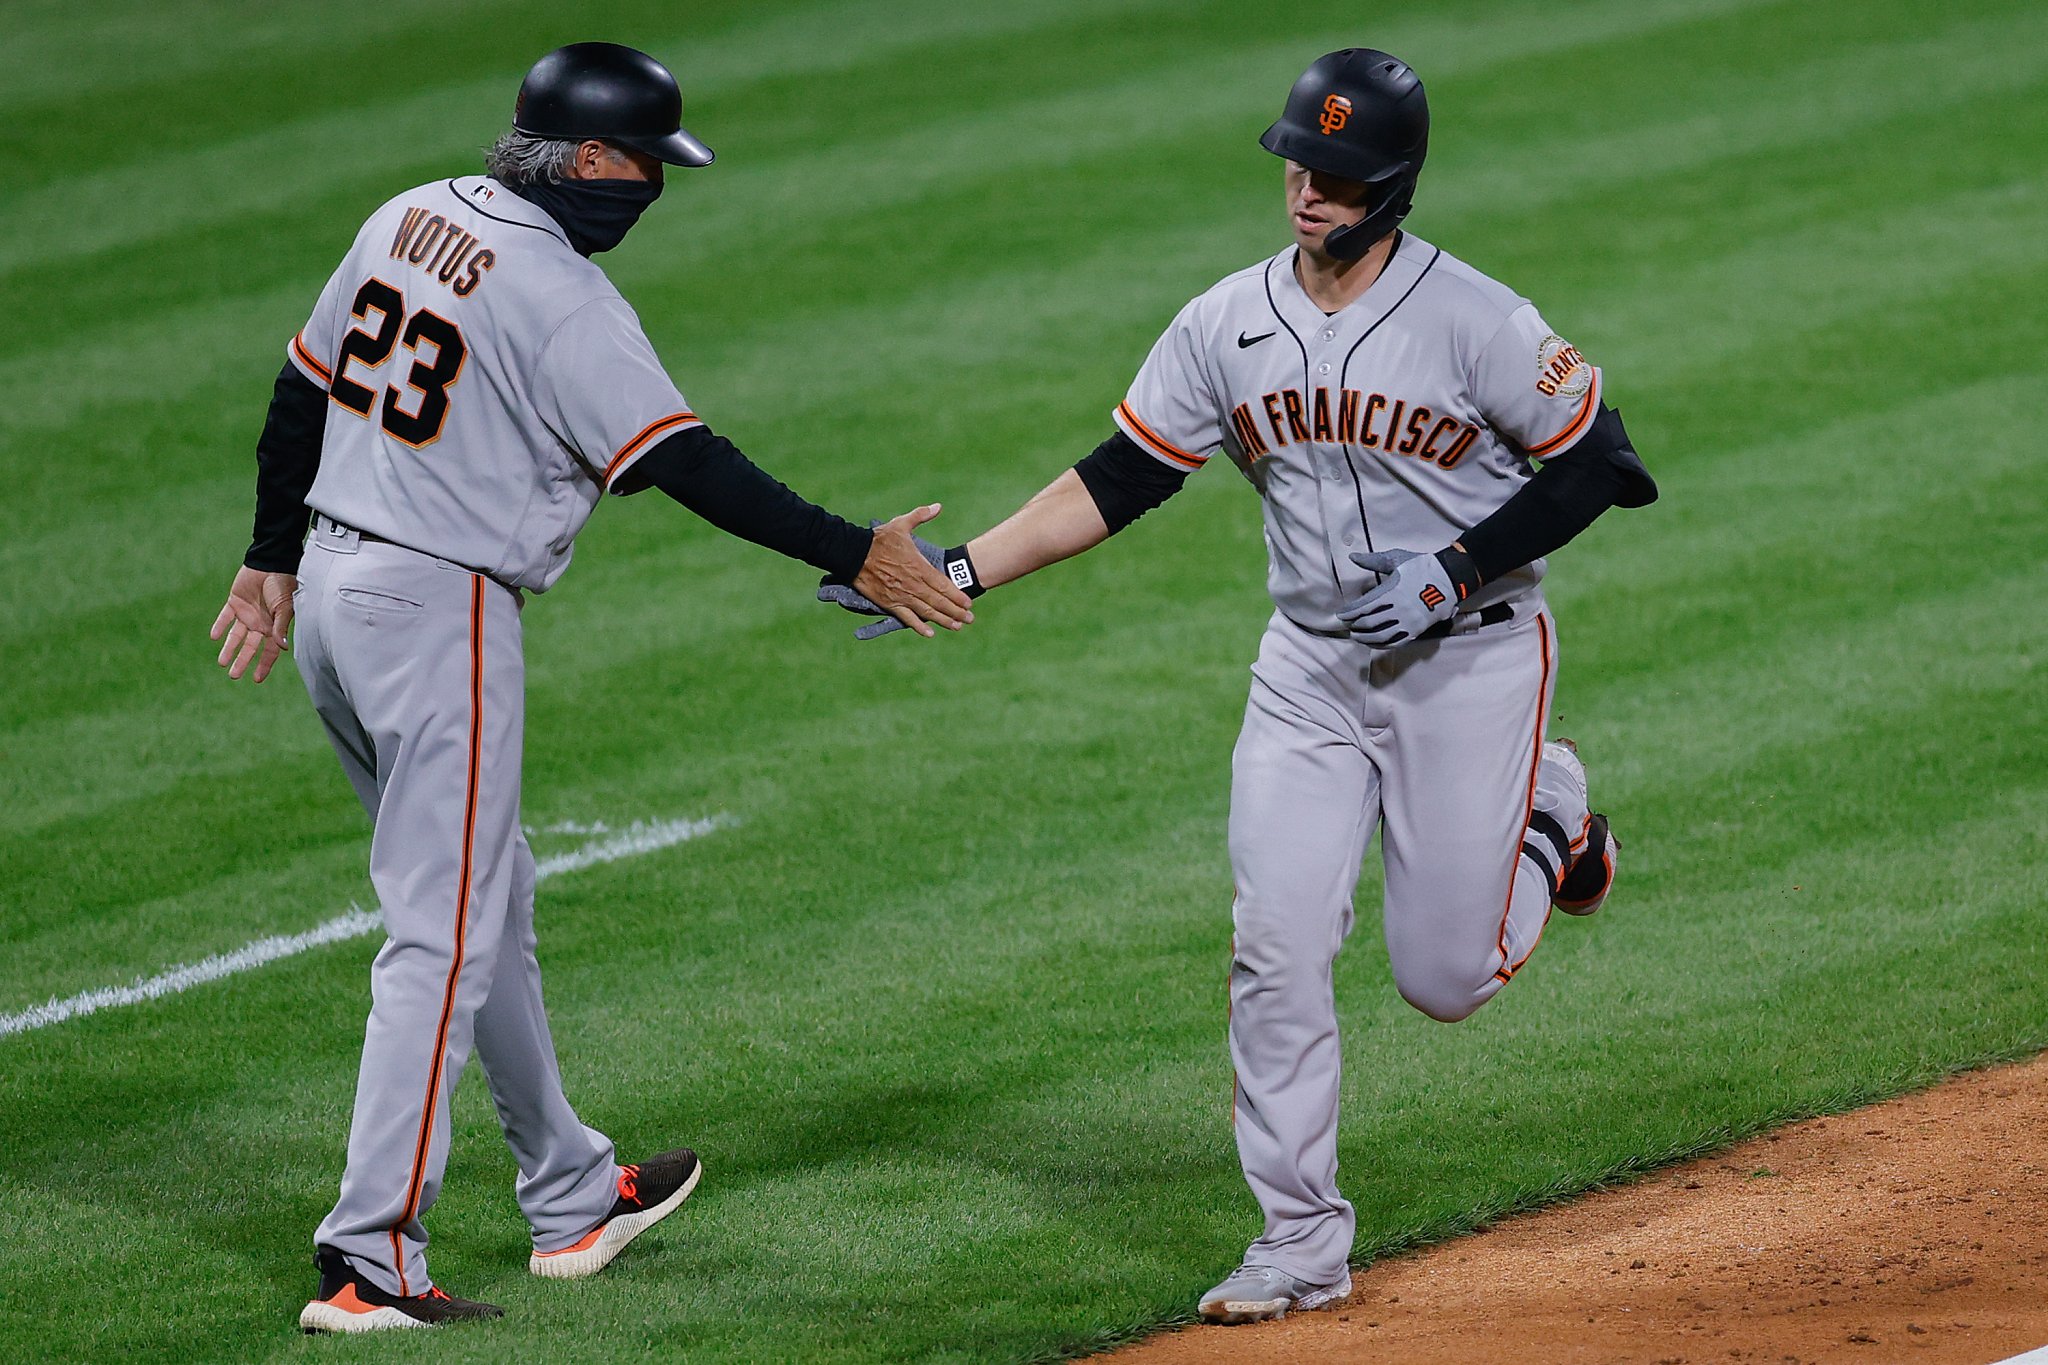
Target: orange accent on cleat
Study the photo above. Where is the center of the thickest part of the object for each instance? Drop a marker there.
(348, 1301)
(589, 1240)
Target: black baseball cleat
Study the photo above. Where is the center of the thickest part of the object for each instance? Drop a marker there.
(648, 1193)
(349, 1303)
(1585, 884)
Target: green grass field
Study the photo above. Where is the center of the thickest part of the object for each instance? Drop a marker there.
(944, 1010)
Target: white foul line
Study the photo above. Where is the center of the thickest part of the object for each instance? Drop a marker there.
(2037, 1356)
(637, 838)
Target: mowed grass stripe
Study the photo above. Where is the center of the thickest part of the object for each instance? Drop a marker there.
(1005, 130)
(144, 58)
(845, 145)
(1777, 119)
(443, 61)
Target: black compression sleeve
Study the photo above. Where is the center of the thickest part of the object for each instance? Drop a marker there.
(287, 458)
(707, 474)
(1545, 513)
(1125, 482)
(1600, 471)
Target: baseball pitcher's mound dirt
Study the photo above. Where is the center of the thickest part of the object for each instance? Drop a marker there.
(1913, 1231)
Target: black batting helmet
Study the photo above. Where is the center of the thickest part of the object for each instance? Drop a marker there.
(611, 93)
(1359, 114)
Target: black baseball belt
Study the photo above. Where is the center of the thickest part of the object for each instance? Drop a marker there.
(326, 523)
(1497, 614)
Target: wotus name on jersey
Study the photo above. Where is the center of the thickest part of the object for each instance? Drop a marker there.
(1371, 420)
(443, 250)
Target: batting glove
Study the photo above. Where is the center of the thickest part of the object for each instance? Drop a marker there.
(1415, 592)
(953, 563)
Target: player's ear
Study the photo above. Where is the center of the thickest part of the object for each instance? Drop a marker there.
(589, 161)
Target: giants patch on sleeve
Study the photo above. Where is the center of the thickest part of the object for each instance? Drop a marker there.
(1561, 372)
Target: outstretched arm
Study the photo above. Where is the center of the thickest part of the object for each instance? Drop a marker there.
(1059, 522)
(1079, 510)
(707, 474)
(1083, 507)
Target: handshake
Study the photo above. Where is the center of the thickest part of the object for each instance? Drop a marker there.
(907, 581)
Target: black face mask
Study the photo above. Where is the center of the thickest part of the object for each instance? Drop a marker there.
(596, 214)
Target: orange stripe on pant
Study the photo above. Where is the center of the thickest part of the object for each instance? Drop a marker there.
(1508, 969)
(417, 1178)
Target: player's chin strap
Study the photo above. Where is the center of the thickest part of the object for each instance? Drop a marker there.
(1349, 243)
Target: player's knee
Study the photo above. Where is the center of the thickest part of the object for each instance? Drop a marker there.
(1447, 993)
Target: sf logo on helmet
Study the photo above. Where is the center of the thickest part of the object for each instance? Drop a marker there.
(1336, 113)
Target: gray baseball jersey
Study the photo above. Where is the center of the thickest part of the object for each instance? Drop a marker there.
(487, 383)
(1396, 423)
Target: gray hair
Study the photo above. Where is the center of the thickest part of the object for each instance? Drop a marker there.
(518, 158)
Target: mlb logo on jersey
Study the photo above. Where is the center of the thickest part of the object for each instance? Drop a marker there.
(1336, 113)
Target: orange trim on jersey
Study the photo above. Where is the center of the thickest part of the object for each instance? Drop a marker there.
(1165, 449)
(639, 442)
(1508, 969)
(306, 358)
(1574, 428)
(415, 1180)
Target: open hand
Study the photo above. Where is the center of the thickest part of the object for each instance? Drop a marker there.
(902, 581)
(255, 621)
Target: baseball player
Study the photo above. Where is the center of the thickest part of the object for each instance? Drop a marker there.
(1420, 439)
(467, 386)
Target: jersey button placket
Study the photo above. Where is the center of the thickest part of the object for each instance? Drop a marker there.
(1342, 509)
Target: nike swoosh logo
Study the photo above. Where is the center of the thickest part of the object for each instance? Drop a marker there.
(1244, 341)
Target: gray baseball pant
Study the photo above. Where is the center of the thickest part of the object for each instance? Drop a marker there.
(1438, 746)
(416, 668)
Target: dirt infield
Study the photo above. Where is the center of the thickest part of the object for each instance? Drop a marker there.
(1915, 1230)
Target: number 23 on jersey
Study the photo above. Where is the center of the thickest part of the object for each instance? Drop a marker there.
(437, 351)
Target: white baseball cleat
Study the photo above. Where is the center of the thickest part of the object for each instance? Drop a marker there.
(1260, 1293)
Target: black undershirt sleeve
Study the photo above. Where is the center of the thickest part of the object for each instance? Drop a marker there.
(707, 474)
(1125, 482)
(287, 458)
(1563, 499)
